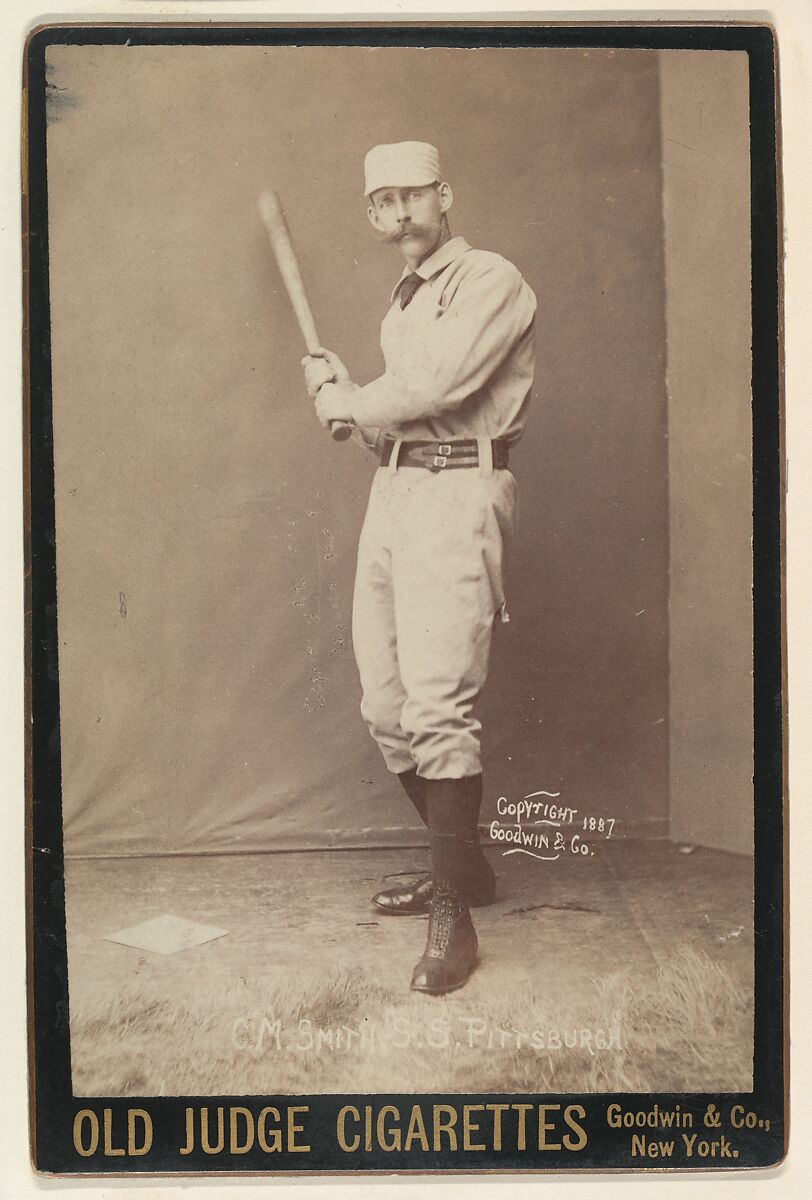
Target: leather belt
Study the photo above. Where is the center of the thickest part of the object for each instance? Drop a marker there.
(443, 456)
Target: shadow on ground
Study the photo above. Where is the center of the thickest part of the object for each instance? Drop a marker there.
(627, 971)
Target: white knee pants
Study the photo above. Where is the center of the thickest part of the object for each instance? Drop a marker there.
(429, 584)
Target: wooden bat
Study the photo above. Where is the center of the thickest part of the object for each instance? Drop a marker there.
(273, 218)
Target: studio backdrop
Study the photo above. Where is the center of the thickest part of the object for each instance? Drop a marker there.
(206, 525)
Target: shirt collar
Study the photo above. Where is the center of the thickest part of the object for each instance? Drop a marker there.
(442, 257)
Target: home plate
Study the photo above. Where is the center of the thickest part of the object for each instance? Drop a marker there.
(166, 934)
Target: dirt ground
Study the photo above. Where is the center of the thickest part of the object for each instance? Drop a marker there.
(629, 970)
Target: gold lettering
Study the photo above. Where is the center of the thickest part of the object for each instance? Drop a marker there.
(576, 1143)
(79, 1144)
(521, 1135)
(469, 1127)
(544, 1125)
(293, 1129)
(341, 1133)
(134, 1114)
(446, 1126)
(417, 1129)
(497, 1110)
(190, 1132)
(275, 1144)
(388, 1139)
(110, 1150)
(234, 1144)
(204, 1132)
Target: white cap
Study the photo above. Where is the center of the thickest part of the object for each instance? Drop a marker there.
(401, 164)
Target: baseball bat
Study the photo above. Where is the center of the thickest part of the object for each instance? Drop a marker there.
(273, 218)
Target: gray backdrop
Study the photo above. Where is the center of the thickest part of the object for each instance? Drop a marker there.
(206, 526)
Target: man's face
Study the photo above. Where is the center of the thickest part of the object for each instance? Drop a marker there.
(412, 217)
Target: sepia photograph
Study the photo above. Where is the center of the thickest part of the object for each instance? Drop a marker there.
(402, 417)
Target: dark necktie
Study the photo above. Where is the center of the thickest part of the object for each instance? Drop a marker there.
(408, 288)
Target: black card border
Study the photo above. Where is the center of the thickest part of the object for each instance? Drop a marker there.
(52, 1104)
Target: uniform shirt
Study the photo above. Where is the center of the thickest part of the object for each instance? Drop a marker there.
(459, 358)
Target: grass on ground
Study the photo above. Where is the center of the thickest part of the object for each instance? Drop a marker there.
(683, 1027)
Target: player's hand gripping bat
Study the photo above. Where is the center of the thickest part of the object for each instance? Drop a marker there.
(273, 218)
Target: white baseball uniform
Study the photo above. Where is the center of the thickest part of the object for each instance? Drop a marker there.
(429, 581)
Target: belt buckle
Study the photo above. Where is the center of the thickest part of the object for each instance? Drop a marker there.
(439, 461)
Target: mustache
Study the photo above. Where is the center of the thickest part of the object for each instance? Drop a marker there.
(397, 235)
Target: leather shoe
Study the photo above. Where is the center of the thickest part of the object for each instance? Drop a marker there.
(407, 899)
(451, 947)
(414, 899)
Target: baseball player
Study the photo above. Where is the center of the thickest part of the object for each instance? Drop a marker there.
(457, 343)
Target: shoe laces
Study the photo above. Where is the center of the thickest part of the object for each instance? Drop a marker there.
(446, 909)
